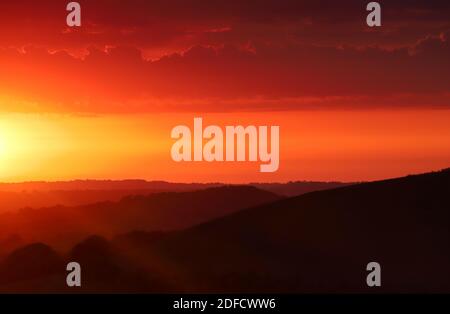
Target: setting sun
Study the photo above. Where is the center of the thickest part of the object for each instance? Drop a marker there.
(316, 145)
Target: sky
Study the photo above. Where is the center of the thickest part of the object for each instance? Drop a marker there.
(99, 101)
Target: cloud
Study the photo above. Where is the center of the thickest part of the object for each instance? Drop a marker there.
(161, 27)
(230, 77)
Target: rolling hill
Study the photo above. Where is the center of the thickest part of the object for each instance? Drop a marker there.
(63, 226)
(15, 196)
(319, 242)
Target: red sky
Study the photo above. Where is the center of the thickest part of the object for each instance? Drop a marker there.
(222, 55)
(293, 58)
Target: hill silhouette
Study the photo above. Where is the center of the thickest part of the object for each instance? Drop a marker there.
(322, 242)
(296, 188)
(103, 185)
(15, 196)
(31, 262)
(39, 194)
(318, 242)
(62, 226)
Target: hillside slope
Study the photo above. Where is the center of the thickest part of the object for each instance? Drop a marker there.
(322, 241)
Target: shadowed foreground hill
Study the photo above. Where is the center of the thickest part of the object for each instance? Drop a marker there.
(317, 242)
(322, 241)
(36, 262)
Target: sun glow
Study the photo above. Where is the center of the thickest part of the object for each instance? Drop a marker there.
(64, 147)
(8, 141)
(316, 145)
(2, 147)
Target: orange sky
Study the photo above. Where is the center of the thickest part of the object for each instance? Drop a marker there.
(99, 101)
(315, 145)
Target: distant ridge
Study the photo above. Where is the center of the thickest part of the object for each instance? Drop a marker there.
(293, 187)
(62, 225)
(14, 196)
(101, 185)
